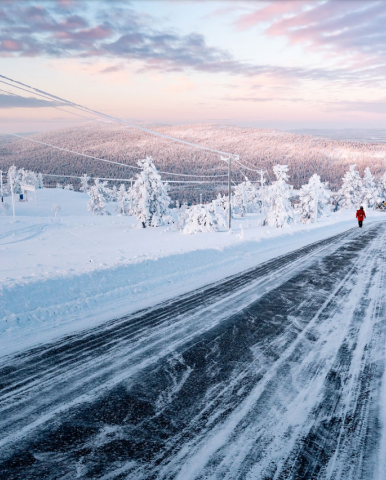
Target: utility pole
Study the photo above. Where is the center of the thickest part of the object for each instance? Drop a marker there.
(229, 160)
(200, 198)
(1, 185)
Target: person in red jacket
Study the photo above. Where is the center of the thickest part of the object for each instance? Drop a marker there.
(360, 216)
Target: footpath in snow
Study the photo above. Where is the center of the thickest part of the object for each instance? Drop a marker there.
(60, 275)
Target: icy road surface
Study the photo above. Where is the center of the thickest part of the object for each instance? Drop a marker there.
(277, 373)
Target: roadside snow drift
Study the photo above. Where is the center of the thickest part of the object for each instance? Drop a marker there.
(67, 273)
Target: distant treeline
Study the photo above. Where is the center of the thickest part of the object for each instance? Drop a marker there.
(261, 148)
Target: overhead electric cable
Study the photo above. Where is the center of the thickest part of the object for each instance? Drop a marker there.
(111, 161)
(48, 106)
(119, 120)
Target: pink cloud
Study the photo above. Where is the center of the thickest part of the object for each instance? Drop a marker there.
(96, 33)
(10, 46)
(270, 12)
(339, 27)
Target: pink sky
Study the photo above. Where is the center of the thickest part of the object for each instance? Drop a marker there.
(277, 64)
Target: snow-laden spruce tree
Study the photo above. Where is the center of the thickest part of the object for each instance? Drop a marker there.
(253, 197)
(204, 218)
(149, 196)
(371, 195)
(40, 181)
(14, 179)
(351, 191)
(246, 198)
(382, 187)
(124, 200)
(222, 202)
(98, 197)
(280, 212)
(27, 177)
(84, 186)
(313, 200)
(240, 199)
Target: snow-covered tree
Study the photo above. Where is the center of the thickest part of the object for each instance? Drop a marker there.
(28, 178)
(150, 199)
(14, 179)
(69, 186)
(98, 195)
(124, 200)
(313, 200)
(113, 194)
(280, 212)
(40, 181)
(351, 191)
(246, 198)
(84, 186)
(253, 197)
(240, 199)
(371, 195)
(222, 202)
(204, 218)
(382, 187)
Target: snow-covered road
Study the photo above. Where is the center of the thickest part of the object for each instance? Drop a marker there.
(276, 373)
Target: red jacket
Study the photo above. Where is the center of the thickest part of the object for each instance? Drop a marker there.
(361, 215)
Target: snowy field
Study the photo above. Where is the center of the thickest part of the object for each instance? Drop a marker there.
(63, 274)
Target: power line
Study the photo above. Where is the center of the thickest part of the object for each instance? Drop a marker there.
(125, 179)
(111, 161)
(52, 106)
(119, 120)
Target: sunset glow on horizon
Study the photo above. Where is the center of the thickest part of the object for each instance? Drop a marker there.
(267, 64)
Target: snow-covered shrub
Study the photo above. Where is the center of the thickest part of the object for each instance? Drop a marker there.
(98, 197)
(69, 186)
(204, 218)
(280, 212)
(84, 186)
(313, 200)
(59, 185)
(149, 196)
(56, 209)
(4, 207)
(182, 216)
(351, 191)
(371, 195)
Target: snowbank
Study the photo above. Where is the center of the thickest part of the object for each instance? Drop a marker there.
(69, 273)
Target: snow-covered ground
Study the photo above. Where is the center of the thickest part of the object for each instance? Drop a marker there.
(59, 275)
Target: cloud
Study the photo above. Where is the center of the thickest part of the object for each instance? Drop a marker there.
(262, 99)
(378, 107)
(112, 69)
(118, 33)
(10, 101)
(342, 28)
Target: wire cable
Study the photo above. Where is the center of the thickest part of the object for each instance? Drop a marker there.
(111, 161)
(51, 106)
(119, 120)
